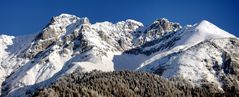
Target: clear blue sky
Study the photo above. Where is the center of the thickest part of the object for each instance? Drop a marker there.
(20, 17)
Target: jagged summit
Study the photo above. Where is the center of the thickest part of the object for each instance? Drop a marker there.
(70, 43)
(160, 28)
(65, 19)
(63, 15)
(167, 25)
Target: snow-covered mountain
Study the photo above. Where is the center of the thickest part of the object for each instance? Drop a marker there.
(198, 53)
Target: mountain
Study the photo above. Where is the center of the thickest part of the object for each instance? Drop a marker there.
(200, 53)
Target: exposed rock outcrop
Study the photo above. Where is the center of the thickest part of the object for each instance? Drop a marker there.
(160, 28)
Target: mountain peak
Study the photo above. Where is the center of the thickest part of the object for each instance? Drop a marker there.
(130, 25)
(85, 20)
(202, 31)
(166, 25)
(65, 15)
(211, 30)
(161, 20)
(62, 24)
(5, 39)
(131, 21)
(160, 28)
(206, 25)
(205, 22)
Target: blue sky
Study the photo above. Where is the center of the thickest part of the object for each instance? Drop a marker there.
(20, 17)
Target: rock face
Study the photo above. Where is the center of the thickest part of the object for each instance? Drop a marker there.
(160, 28)
(58, 26)
(201, 54)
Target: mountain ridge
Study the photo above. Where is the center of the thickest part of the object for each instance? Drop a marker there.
(70, 43)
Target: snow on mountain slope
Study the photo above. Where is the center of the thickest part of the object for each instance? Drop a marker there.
(201, 32)
(208, 61)
(10, 48)
(71, 43)
(4, 42)
(188, 60)
(184, 39)
(187, 56)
